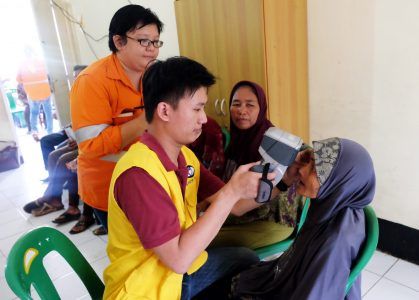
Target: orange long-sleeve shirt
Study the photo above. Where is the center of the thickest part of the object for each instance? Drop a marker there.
(101, 99)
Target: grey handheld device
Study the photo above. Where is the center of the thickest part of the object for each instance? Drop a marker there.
(278, 150)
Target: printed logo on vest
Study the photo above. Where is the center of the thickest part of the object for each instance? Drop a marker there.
(191, 171)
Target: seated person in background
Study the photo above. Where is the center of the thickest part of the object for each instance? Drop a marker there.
(58, 139)
(273, 221)
(51, 155)
(51, 200)
(156, 243)
(338, 175)
(209, 148)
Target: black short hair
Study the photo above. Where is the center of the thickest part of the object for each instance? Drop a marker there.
(128, 18)
(170, 80)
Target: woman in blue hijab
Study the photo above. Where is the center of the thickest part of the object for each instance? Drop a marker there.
(338, 175)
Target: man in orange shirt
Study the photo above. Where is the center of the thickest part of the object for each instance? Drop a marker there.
(106, 102)
(33, 76)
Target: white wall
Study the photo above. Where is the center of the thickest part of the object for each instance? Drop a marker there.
(7, 132)
(364, 85)
(97, 14)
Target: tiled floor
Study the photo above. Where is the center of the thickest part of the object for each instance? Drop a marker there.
(385, 277)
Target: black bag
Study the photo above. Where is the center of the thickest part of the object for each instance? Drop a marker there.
(9, 156)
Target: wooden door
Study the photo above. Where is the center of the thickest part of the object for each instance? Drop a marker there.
(240, 44)
(287, 64)
(195, 21)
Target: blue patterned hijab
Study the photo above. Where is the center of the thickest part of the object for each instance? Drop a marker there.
(318, 264)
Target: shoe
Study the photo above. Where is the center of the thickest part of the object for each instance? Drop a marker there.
(46, 209)
(65, 218)
(100, 231)
(83, 224)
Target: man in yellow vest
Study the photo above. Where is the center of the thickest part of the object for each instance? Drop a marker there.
(156, 242)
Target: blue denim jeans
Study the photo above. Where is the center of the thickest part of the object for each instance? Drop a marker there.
(102, 217)
(222, 263)
(34, 109)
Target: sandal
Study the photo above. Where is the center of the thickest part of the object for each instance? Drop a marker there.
(66, 217)
(100, 231)
(82, 225)
(46, 209)
(37, 204)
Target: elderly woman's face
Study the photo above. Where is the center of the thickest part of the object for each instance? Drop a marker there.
(244, 108)
(308, 184)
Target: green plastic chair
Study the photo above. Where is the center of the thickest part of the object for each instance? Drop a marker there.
(25, 264)
(371, 241)
(283, 245)
(227, 137)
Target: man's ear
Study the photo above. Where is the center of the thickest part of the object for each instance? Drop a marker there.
(119, 41)
(163, 111)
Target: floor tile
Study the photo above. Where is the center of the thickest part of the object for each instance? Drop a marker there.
(2, 265)
(93, 250)
(45, 220)
(386, 289)
(5, 292)
(405, 273)
(77, 239)
(56, 265)
(5, 204)
(380, 263)
(100, 265)
(14, 227)
(368, 281)
(7, 244)
(70, 287)
(10, 215)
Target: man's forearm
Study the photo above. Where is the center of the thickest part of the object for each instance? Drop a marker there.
(179, 254)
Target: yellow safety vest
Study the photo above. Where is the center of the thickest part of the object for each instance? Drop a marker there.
(135, 272)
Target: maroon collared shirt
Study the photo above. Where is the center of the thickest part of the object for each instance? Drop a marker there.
(147, 205)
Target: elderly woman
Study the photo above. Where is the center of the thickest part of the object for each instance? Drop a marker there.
(338, 175)
(273, 221)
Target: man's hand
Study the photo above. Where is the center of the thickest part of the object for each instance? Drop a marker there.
(245, 183)
(72, 165)
(72, 144)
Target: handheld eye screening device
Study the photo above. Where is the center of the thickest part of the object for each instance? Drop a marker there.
(278, 150)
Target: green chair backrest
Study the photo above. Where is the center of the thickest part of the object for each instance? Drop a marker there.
(227, 137)
(369, 247)
(283, 245)
(12, 101)
(25, 264)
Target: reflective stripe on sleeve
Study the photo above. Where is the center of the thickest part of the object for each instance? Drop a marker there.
(89, 132)
(113, 157)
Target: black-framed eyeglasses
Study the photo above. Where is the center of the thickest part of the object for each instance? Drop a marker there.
(147, 42)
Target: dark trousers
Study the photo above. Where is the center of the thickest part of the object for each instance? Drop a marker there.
(102, 216)
(49, 142)
(61, 175)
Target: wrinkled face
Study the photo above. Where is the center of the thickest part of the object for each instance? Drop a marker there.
(132, 54)
(308, 184)
(244, 108)
(187, 119)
